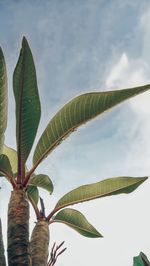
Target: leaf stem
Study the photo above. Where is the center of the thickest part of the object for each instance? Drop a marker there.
(11, 179)
(27, 177)
(42, 212)
(37, 212)
(52, 213)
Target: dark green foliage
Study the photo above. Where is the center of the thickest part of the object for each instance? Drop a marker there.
(141, 260)
(28, 109)
(3, 99)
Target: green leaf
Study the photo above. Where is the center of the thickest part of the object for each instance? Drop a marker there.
(33, 193)
(77, 112)
(42, 181)
(141, 260)
(12, 155)
(77, 221)
(107, 187)
(5, 167)
(3, 99)
(28, 109)
(13, 158)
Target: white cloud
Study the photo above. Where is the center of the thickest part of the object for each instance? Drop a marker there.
(145, 34)
(118, 72)
(128, 72)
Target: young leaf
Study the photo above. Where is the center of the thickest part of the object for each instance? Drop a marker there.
(42, 181)
(3, 99)
(28, 109)
(6, 170)
(77, 221)
(141, 260)
(77, 112)
(13, 159)
(12, 155)
(107, 187)
(5, 167)
(33, 193)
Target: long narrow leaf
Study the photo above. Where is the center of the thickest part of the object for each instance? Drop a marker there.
(28, 109)
(77, 221)
(3, 99)
(77, 112)
(141, 260)
(107, 187)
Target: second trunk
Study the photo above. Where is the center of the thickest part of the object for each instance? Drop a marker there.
(40, 243)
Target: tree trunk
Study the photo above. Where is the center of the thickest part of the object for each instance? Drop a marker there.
(18, 229)
(40, 244)
(2, 254)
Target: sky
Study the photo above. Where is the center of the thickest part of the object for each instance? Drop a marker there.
(82, 46)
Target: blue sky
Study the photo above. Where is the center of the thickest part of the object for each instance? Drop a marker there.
(81, 46)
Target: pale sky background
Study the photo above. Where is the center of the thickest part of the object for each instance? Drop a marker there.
(81, 46)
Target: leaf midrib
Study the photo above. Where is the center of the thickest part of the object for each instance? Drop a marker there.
(59, 140)
(81, 123)
(69, 224)
(91, 198)
(20, 163)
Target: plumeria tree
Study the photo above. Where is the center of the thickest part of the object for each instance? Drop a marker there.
(25, 182)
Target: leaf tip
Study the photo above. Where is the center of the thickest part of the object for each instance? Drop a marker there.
(99, 235)
(1, 53)
(24, 39)
(24, 42)
(144, 178)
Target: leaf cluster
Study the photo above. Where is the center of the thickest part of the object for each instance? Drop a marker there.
(78, 111)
